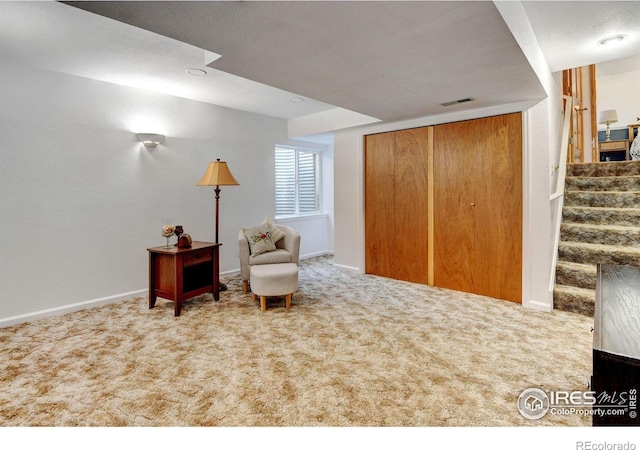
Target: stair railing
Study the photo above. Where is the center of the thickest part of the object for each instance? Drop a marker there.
(558, 194)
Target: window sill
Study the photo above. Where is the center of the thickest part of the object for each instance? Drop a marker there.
(314, 216)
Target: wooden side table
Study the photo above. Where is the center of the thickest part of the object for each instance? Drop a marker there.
(178, 274)
(613, 150)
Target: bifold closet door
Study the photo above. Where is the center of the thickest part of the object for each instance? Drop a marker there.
(411, 204)
(379, 166)
(396, 204)
(478, 206)
(454, 174)
(499, 225)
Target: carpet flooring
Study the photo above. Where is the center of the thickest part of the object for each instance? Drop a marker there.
(353, 350)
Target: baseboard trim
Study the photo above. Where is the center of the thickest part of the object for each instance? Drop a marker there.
(537, 306)
(15, 320)
(315, 254)
(348, 268)
(230, 273)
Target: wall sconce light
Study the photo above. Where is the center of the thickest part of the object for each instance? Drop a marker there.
(150, 140)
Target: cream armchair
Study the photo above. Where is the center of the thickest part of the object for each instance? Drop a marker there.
(287, 251)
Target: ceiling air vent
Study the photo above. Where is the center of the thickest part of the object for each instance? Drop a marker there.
(455, 102)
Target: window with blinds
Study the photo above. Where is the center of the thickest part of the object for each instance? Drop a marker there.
(297, 182)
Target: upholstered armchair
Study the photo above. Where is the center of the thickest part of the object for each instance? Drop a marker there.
(287, 251)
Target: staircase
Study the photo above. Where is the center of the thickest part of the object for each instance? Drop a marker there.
(600, 224)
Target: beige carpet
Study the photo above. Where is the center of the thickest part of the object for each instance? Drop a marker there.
(354, 350)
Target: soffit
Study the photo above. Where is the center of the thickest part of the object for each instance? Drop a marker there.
(388, 60)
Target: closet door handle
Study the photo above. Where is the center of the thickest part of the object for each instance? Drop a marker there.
(473, 204)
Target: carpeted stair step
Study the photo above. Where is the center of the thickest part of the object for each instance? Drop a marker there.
(608, 199)
(611, 169)
(600, 234)
(630, 183)
(598, 254)
(576, 274)
(574, 299)
(600, 225)
(598, 215)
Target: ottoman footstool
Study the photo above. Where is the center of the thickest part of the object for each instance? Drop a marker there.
(274, 280)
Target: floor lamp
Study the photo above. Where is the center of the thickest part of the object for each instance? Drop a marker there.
(218, 174)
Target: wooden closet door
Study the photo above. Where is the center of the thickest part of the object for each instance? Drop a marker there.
(454, 173)
(411, 205)
(478, 206)
(379, 204)
(498, 212)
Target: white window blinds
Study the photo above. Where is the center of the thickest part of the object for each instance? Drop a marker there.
(297, 182)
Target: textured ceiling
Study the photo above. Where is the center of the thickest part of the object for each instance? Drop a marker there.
(568, 31)
(389, 60)
(54, 36)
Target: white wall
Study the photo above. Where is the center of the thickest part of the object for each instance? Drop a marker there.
(81, 199)
(619, 88)
(309, 226)
(328, 194)
(541, 155)
(348, 185)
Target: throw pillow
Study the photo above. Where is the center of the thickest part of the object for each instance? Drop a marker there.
(259, 239)
(276, 233)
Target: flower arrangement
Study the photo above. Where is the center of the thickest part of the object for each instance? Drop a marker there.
(167, 231)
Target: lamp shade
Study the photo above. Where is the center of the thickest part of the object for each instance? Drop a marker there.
(608, 116)
(217, 174)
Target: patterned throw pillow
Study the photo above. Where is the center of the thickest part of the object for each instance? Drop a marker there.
(259, 239)
(276, 233)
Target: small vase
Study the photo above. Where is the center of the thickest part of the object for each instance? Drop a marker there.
(168, 245)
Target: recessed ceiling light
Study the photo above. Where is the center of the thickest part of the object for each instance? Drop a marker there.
(609, 40)
(296, 99)
(196, 72)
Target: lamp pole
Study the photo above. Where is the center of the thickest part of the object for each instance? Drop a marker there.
(217, 191)
(221, 286)
(218, 174)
